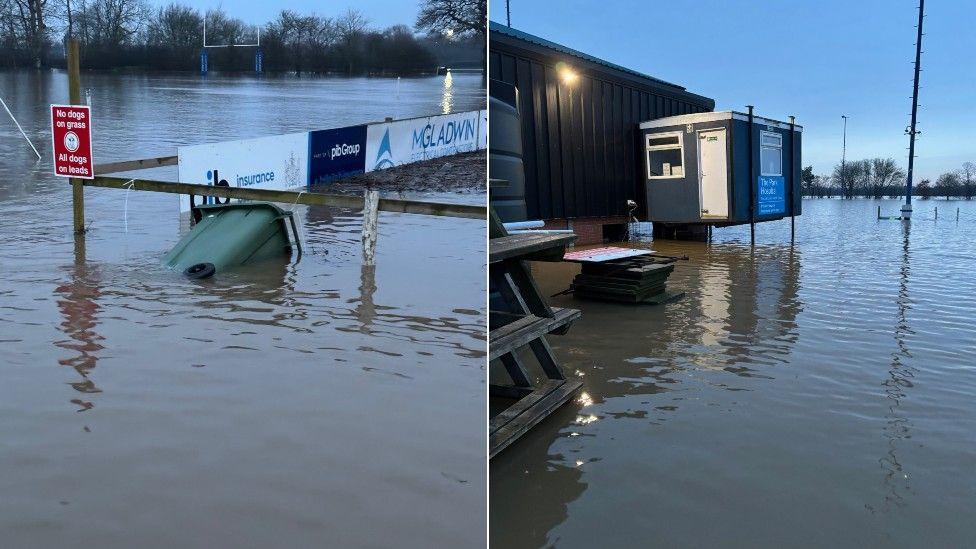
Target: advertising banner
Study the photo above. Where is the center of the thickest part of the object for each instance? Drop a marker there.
(772, 195)
(284, 162)
(391, 144)
(336, 153)
(278, 162)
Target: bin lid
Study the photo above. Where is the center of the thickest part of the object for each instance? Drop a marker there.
(229, 235)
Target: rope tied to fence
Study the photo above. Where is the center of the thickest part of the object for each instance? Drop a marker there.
(297, 198)
(125, 209)
(301, 226)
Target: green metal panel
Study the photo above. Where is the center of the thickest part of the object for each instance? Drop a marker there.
(229, 235)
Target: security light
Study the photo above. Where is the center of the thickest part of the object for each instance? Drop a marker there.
(568, 75)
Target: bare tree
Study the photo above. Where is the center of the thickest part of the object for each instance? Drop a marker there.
(453, 17)
(814, 185)
(456, 18)
(116, 33)
(224, 29)
(29, 17)
(352, 28)
(175, 25)
(61, 10)
(853, 177)
(9, 41)
(948, 185)
(351, 23)
(173, 36)
(968, 173)
(304, 37)
(885, 172)
(113, 23)
(924, 189)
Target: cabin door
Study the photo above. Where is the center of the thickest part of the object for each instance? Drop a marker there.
(713, 174)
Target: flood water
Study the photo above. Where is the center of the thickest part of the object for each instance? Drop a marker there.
(816, 395)
(299, 404)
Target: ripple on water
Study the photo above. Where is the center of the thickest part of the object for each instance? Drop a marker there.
(247, 403)
(793, 386)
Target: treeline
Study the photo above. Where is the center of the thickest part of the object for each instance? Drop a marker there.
(883, 177)
(128, 34)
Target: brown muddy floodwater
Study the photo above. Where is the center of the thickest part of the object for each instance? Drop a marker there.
(816, 395)
(309, 404)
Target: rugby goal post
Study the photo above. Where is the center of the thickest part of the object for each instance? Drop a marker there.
(258, 54)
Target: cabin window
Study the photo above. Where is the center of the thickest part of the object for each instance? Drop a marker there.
(665, 155)
(771, 153)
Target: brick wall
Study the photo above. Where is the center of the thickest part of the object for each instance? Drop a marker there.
(589, 230)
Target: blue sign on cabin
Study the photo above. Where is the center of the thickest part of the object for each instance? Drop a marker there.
(336, 153)
(772, 195)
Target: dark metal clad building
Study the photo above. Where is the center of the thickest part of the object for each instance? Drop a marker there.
(580, 118)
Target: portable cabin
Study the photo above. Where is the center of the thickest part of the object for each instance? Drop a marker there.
(720, 168)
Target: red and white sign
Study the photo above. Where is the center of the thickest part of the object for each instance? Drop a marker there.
(71, 133)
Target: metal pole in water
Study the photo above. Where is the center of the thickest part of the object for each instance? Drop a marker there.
(752, 185)
(906, 210)
(2, 102)
(74, 98)
(843, 150)
(792, 182)
(936, 212)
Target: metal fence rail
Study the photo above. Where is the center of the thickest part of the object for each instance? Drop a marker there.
(467, 211)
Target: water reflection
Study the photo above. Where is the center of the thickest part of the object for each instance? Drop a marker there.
(79, 307)
(366, 310)
(900, 375)
(759, 322)
(539, 480)
(125, 325)
(639, 365)
(447, 98)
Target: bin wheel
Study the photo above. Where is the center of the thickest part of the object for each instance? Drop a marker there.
(200, 270)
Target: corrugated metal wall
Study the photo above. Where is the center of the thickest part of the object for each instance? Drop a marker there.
(581, 139)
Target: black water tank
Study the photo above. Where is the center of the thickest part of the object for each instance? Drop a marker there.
(505, 171)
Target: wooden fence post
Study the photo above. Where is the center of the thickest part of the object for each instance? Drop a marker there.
(74, 95)
(371, 213)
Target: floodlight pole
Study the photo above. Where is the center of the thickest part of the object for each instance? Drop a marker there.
(906, 210)
(508, 13)
(843, 150)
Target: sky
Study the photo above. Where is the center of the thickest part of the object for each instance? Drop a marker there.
(381, 13)
(814, 59)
